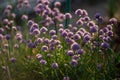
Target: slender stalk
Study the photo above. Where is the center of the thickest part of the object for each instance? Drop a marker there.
(55, 27)
(8, 72)
(56, 75)
(7, 63)
(68, 8)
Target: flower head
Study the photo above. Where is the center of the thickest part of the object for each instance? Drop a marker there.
(57, 4)
(13, 59)
(75, 46)
(39, 56)
(7, 36)
(105, 45)
(79, 12)
(24, 17)
(43, 62)
(80, 51)
(55, 65)
(68, 16)
(66, 78)
(70, 53)
(113, 21)
(74, 62)
(44, 48)
(52, 32)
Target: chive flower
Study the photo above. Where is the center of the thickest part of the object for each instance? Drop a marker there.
(55, 65)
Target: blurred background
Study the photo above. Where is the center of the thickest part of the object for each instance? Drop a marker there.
(107, 8)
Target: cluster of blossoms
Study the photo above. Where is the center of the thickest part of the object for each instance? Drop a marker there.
(41, 36)
(49, 16)
(23, 3)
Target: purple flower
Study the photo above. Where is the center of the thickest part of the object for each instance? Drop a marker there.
(16, 46)
(80, 33)
(43, 62)
(101, 19)
(68, 16)
(80, 51)
(110, 33)
(76, 37)
(9, 7)
(55, 12)
(113, 21)
(79, 22)
(24, 17)
(59, 46)
(11, 22)
(79, 12)
(74, 62)
(46, 41)
(31, 45)
(105, 30)
(86, 38)
(57, 4)
(1, 36)
(105, 45)
(7, 12)
(61, 26)
(52, 48)
(39, 56)
(44, 48)
(86, 19)
(109, 27)
(75, 57)
(1, 30)
(7, 36)
(82, 30)
(101, 32)
(97, 15)
(54, 37)
(52, 32)
(99, 66)
(84, 12)
(90, 23)
(6, 45)
(75, 46)
(69, 40)
(61, 17)
(43, 29)
(5, 21)
(66, 78)
(39, 40)
(49, 55)
(30, 23)
(74, 29)
(94, 29)
(55, 65)
(14, 28)
(64, 33)
(40, 1)
(48, 19)
(13, 15)
(107, 39)
(70, 53)
(18, 36)
(61, 30)
(36, 31)
(35, 26)
(46, 2)
(13, 59)
(70, 34)
(67, 30)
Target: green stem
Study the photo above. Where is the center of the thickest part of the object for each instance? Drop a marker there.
(68, 8)
(56, 75)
